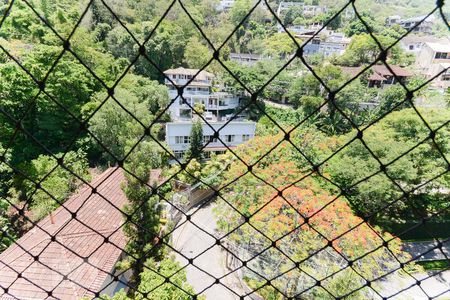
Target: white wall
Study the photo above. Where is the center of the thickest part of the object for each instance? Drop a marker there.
(238, 129)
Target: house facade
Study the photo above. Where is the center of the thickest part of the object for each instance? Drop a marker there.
(230, 135)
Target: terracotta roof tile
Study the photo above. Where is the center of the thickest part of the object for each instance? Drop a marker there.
(44, 275)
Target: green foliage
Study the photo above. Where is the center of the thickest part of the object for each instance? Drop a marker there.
(143, 207)
(153, 285)
(114, 126)
(394, 135)
(5, 182)
(196, 141)
(54, 179)
(197, 54)
(279, 217)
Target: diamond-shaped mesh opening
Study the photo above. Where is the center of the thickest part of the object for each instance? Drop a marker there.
(230, 150)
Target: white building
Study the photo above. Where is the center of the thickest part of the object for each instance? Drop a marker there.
(219, 107)
(198, 91)
(434, 58)
(231, 135)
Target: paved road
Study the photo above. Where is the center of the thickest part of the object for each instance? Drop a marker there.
(191, 241)
(418, 248)
(431, 287)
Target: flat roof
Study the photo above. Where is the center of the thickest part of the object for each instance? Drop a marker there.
(439, 47)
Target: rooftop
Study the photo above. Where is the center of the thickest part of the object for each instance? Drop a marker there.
(193, 72)
(378, 71)
(75, 239)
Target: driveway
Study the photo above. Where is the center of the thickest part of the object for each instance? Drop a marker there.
(191, 241)
(417, 249)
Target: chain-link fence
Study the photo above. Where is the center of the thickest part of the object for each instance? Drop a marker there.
(266, 229)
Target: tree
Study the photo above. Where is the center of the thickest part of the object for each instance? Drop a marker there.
(197, 54)
(280, 218)
(394, 135)
(142, 213)
(55, 179)
(196, 141)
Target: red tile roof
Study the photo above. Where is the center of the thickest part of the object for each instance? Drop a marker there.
(379, 72)
(83, 278)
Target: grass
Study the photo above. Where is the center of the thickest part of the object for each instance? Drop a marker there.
(435, 265)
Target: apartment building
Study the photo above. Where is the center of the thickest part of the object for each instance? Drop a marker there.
(219, 108)
(434, 59)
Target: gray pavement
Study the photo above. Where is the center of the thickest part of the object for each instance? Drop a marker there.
(191, 241)
(423, 251)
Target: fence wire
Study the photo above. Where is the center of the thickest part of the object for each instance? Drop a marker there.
(253, 256)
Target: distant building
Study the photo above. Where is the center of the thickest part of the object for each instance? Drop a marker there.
(245, 58)
(419, 23)
(307, 10)
(219, 108)
(199, 90)
(380, 76)
(77, 262)
(327, 43)
(335, 44)
(225, 5)
(231, 135)
(434, 58)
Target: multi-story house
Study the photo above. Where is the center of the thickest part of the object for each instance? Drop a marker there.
(434, 59)
(198, 91)
(218, 109)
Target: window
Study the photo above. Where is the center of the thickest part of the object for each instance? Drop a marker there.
(245, 137)
(178, 154)
(229, 138)
(182, 139)
(209, 138)
(441, 55)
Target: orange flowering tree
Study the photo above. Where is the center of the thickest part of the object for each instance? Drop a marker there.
(294, 238)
